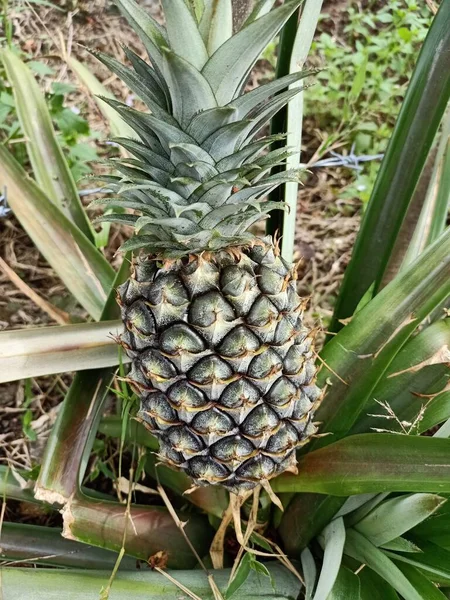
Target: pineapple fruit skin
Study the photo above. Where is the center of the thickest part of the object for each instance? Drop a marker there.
(222, 363)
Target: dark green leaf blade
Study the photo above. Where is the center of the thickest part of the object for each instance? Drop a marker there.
(425, 102)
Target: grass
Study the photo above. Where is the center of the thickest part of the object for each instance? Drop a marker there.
(367, 51)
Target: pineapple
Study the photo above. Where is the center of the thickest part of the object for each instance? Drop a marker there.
(221, 359)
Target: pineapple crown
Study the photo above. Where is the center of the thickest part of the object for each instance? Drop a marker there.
(196, 178)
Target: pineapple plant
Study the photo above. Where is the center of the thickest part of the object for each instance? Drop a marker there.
(221, 358)
(367, 513)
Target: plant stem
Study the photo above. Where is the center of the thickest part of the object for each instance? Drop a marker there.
(46, 546)
(146, 531)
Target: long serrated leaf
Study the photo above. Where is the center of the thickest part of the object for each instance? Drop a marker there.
(357, 357)
(359, 548)
(153, 36)
(346, 587)
(206, 123)
(152, 77)
(436, 413)
(436, 529)
(434, 212)
(46, 350)
(332, 540)
(143, 152)
(221, 24)
(260, 8)
(41, 584)
(422, 110)
(183, 33)
(372, 462)
(417, 372)
(136, 84)
(229, 66)
(31, 543)
(432, 561)
(240, 577)
(424, 586)
(84, 271)
(309, 571)
(401, 544)
(68, 448)
(353, 503)
(189, 90)
(50, 166)
(302, 43)
(247, 102)
(396, 516)
(374, 587)
(117, 125)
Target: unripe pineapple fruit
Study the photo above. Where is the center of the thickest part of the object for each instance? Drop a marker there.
(221, 359)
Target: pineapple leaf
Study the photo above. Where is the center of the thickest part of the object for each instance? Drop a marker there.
(183, 33)
(332, 540)
(198, 170)
(396, 516)
(180, 224)
(84, 270)
(216, 23)
(189, 90)
(215, 193)
(247, 153)
(227, 139)
(231, 137)
(206, 123)
(221, 24)
(48, 350)
(136, 84)
(247, 102)
(230, 65)
(143, 152)
(153, 36)
(182, 153)
(154, 173)
(261, 8)
(133, 204)
(116, 218)
(147, 73)
(166, 133)
(136, 120)
(185, 186)
(265, 114)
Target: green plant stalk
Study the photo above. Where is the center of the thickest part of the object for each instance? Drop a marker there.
(360, 464)
(83, 270)
(361, 353)
(301, 47)
(45, 546)
(278, 124)
(72, 436)
(117, 125)
(42, 584)
(372, 463)
(305, 517)
(29, 353)
(433, 217)
(422, 110)
(143, 531)
(80, 413)
(135, 432)
(419, 370)
(50, 167)
(16, 486)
